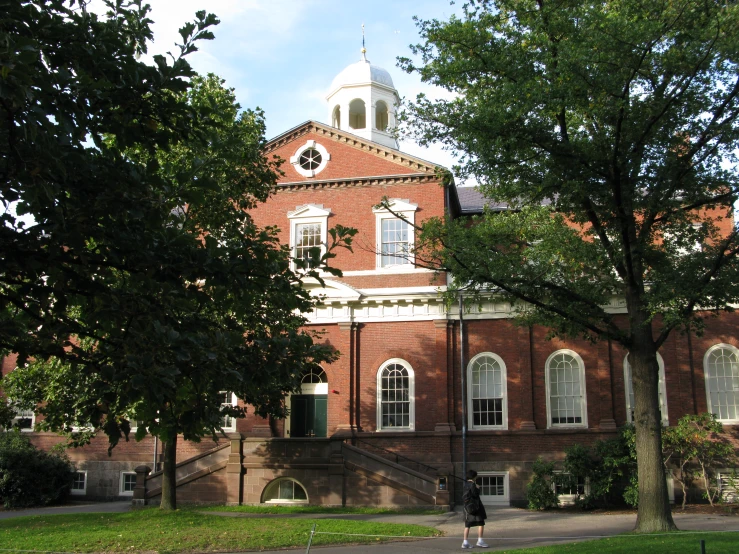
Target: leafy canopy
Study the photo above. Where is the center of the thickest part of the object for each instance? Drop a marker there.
(133, 274)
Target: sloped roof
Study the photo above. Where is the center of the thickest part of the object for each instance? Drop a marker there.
(471, 201)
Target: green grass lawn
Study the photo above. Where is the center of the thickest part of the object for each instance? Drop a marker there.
(674, 543)
(150, 530)
(308, 509)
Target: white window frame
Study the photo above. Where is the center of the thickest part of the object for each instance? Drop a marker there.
(308, 214)
(569, 499)
(83, 490)
(276, 483)
(234, 402)
(411, 396)
(121, 490)
(407, 211)
(629, 389)
(325, 157)
(706, 377)
(470, 391)
(505, 499)
(23, 414)
(727, 493)
(583, 392)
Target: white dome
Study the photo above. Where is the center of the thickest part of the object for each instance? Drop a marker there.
(361, 73)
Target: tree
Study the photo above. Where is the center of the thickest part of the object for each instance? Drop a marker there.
(609, 128)
(695, 446)
(141, 289)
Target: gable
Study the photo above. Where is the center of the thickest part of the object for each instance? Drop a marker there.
(342, 156)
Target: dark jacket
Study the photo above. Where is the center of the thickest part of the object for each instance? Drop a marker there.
(480, 517)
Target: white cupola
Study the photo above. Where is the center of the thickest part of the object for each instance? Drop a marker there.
(363, 101)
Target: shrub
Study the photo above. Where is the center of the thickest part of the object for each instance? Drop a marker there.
(540, 492)
(31, 477)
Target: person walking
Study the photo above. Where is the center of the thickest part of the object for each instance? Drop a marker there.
(474, 511)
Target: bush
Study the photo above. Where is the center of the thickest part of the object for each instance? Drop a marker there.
(540, 491)
(31, 477)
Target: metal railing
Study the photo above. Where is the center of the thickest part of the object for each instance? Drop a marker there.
(397, 456)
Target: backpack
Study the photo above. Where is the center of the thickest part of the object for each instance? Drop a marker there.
(471, 502)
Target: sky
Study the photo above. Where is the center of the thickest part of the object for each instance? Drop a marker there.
(281, 55)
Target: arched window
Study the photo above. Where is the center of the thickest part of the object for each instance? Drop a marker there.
(395, 401)
(285, 491)
(311, 376)
(565, 381)
(721, 368)
(357, 114)
(336, 118)
(630, 391)
(381, 119)
(486, 392)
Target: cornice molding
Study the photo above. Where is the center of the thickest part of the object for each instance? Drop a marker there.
(378, 180)
(361, 144)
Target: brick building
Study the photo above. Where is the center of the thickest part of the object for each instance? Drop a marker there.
(383, 424)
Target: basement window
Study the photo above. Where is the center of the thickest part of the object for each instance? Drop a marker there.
(285, 491)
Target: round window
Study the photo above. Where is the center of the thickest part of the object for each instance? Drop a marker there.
(310, 159)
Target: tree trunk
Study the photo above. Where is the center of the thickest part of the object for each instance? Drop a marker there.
(169, 475)
(654, 513)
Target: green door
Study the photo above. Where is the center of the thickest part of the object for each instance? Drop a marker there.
(308, 415)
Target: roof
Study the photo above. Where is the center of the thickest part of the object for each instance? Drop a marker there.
(361, 73)
(472, 201)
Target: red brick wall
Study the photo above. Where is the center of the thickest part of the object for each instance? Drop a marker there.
(346, 161)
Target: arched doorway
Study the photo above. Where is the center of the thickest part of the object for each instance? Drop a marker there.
(308, 410)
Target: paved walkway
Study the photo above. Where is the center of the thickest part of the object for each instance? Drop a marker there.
(507, 528)
(510, 528)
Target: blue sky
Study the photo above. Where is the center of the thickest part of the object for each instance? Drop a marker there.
(281, 55)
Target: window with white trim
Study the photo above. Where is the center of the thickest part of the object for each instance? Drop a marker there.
(128, 483)
(728, 485)
(630, 391)
(228, 422)
(79, 482)
(395, 396)
(486, 384)
(24, 420)
(565, 382)
(569, 489)
(395, 237)
(721, 369)
(285, 491)
(308, 232)
(310, 159)
(494, 488)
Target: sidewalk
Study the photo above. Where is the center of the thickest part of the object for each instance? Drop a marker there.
(70, 508)
(509, 528)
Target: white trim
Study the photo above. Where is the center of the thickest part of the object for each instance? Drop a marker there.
(122, 492)
(83, 490)
(496, 500)
(569, 499)
(403, 268)
(407, 211)
(276, 483)
(629, 389)
(712, 349)
(325, 157)
(583, 392)
(232, 423)
(307, 214)
(411, 395)
(504, 385)
(305, 388)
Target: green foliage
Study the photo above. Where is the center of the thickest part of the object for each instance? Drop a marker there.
(540, 493)
(697, 449)
(611, 130)
(31, 477)
(132, 271)
(605, 466)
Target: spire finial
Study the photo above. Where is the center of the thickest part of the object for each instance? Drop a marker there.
(364, 50)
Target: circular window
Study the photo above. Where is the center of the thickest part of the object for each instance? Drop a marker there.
(310, 159)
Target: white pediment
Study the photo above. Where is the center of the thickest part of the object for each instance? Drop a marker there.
(397, 205)
(309, 210)
(331, 290)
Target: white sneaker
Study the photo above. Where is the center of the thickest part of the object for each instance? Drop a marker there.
(482, 544)
(466, 545)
